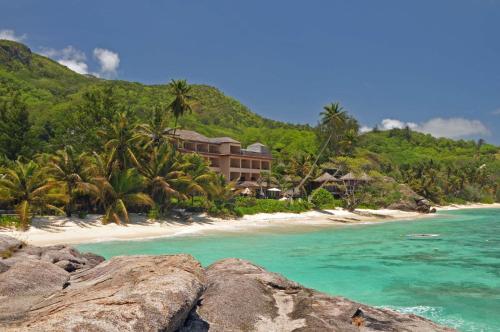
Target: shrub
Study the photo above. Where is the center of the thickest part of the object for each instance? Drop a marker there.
(10, 221)
(154, 213)
(487, 199)
(323, 199)
(246, 205)
(82, 214)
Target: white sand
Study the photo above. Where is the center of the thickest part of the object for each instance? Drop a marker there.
(468, 206)
(59, 230)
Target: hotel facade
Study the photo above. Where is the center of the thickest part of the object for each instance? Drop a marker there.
(226, 156)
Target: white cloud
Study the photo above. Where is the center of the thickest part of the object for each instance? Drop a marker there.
(11, 35)
(440, 127)
(76, 66)
(108, 60)
(388, 124)
(365, 129)
(453, 127)
(496, 112)
(70, 57)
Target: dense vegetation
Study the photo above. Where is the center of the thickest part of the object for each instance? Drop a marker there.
(71, 143)
(56, 96)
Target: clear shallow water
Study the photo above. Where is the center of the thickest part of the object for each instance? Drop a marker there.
(454, 280)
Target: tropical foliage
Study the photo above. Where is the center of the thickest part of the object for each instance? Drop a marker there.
(71, 143)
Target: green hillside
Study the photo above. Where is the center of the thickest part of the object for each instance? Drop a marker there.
(64, 108)
(52, 91)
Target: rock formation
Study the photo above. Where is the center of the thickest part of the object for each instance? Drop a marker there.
(411, 201)
(241, 296)
(60, 289)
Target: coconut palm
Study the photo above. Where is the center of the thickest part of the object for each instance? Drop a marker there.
(121, 140)
(118, 193)
(163, 175)
(221, 192)
(267, 179)
(332, 118)
(155, 131)
(183, 100)
(349, 140)
(68, 169)
(25, 185)
(197, 168)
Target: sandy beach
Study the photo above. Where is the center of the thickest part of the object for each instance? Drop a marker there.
(63, 230)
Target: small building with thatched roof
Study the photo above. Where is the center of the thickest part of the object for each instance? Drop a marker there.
(326, 177)
(328, 182)
(351, 181)
(351, 177)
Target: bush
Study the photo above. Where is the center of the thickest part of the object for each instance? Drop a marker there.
(154, 213)
(82, 214)
(196, 204)
(10, 221)
(323, 199)
(246, 205)
(487, 200)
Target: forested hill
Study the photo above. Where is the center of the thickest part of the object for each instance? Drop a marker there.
(44, 107)
(51, 91)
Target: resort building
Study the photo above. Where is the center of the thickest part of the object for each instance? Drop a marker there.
(226, 156)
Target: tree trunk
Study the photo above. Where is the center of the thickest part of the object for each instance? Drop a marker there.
(301, 184)
(68, 208)
(175, 130)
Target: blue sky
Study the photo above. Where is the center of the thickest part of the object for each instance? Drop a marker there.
(434, 65)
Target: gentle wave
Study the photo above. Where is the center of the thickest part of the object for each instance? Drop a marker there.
(438, 315)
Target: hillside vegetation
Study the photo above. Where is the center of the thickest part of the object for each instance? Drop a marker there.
(52, 92)
(111, 133)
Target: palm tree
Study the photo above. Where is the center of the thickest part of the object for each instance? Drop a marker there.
(332, 118)
(121, 140)
(26, 186)
(163, 175)
(155, 131)
(183, 101)
(267, 178)
(119, 193)
(197, 168)
(349, 140)
(69, 170)
(221, 192)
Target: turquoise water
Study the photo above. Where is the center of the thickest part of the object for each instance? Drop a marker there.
(454, 280)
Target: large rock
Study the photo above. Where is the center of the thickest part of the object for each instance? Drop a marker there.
(26, 284)
(57, 288)
(8, 245)
(241, 296)
(411, 201)
(134, 293)
(62, 256)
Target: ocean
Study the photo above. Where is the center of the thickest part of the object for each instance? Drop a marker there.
(452, 278)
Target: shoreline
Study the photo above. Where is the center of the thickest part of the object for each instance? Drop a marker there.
(63, 230)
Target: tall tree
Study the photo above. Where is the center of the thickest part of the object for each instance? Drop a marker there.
(15, 129)
(155, 131)
(121, 140)
(197, 168)
(332, 117)
(68, 168)
(183, 100)
(163, 174)
(120, 192)
(80, 127)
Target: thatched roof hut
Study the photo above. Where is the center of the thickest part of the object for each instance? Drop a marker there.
(326, 177)
(355, 178)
